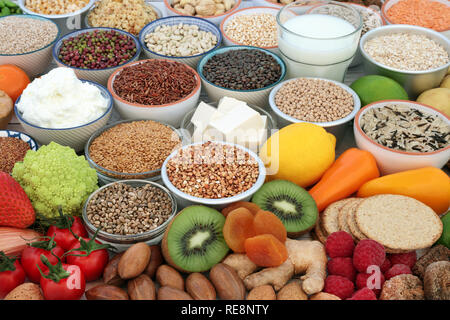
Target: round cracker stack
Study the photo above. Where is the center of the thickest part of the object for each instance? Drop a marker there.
(318, 231)
(343, 214)
(329, 217)
(351, 222)
(398, 222)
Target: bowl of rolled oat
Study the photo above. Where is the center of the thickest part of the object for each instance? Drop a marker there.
(212, 173)
(67, 14)
(403, 135)
(181, 38)
(418, 58)
(128, 15)
(327, 103)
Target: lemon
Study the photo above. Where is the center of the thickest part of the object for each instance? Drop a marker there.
(446, 82)
(374, 88)
(438, 98)
(300, 153)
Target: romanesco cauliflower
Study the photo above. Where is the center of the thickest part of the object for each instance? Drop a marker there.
(53, 176)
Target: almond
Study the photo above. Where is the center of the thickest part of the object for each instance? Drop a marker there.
(264, 292)
(141, 288)
(106, 292)
(111, 273)
(199, 287)
(227, 282)
(156, 259)
(169, 293)
(168, 276)
(134, 260)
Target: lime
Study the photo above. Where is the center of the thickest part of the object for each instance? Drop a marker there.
(445, 237)
(374, 88)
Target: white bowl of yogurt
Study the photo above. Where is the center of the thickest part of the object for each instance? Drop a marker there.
(62, 108)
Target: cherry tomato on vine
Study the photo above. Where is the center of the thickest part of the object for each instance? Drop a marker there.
(11, 274)
(63, 229)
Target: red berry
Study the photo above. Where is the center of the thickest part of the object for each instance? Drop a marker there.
(368, 253)
(386, 265)
(363, 294)
(339, 244)
(364, 280)
(339, 286)
(408, 258)
(396, 270)
(342, 267)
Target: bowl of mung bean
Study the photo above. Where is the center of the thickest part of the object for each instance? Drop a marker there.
(327, 103)
(403, 135)
(129, 211)
(212, 173)
(26, 41)
(67, 14)
(155, 89)
(95, 53)
(180, 38)
(418, 58)
(128, 15)
(254, 26)
(131, 149)
(242, 72)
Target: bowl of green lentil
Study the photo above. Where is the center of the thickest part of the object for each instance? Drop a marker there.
(131, 149)
(95, 53)
(26, 41)
(418, 58)
(403, 135)
(324, 102)
(242, 72)
(129, 211)
(181, 38)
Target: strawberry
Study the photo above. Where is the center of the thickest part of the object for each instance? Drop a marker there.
(15, 207)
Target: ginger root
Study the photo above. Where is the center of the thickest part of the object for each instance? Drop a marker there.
(241, 263)
(305, 256)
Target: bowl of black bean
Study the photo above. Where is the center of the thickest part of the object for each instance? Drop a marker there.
(242, 72)
(403, 135)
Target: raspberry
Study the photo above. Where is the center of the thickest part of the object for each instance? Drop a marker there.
(408, 259)
(339, 286)
(342, 267)
(362, 282)
(363, 294)
(386, 265)
(396, 270)
(367, 253)
(339, 244)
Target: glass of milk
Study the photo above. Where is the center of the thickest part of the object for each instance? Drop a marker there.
(318, 44)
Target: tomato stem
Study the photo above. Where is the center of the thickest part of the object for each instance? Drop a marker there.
(48, 245)
(55, 272)
(87, 246)
(7, 263)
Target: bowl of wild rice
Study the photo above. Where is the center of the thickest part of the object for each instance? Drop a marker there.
(418, 58)
(27, 41)
(155, 89)
(131, 149)
(403, 135)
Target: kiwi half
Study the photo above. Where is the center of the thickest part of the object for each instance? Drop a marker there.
(292, 204)
(193, 241)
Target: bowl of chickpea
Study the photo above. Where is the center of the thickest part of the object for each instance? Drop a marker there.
(67, 14)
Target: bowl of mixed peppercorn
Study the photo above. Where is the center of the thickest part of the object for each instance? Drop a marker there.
(245, 73)
(95, 53)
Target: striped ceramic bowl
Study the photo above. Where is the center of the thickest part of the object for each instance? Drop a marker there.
(203, 25)
(34, 63)
(75, 137)
(20, 135)
(97, 75)
(257, 97)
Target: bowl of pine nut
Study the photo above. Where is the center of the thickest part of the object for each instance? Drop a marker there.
(67, 14)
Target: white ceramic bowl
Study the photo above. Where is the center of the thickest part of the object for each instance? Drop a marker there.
(66, 22)
(74, 137)
(170, 11)
(246, 11)
(159, 14)
(389, 3)
(204, 25)
(257, 97)
(34, 63)
(96, 75)
(390, 160)
(337, 128)
(171, 113)
(184, 200)
(414, 82)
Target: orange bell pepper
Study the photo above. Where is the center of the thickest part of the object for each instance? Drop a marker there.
(346, 175)
(429, 185)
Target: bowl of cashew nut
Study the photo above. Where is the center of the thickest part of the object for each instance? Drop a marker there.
(213, 10)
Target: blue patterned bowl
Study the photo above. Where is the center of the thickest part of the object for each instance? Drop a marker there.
(20, 135)
(203, 24)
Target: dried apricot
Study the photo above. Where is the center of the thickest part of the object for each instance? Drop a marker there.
(252, 207)
(265, 250)
(238, 227)
(266, 222)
